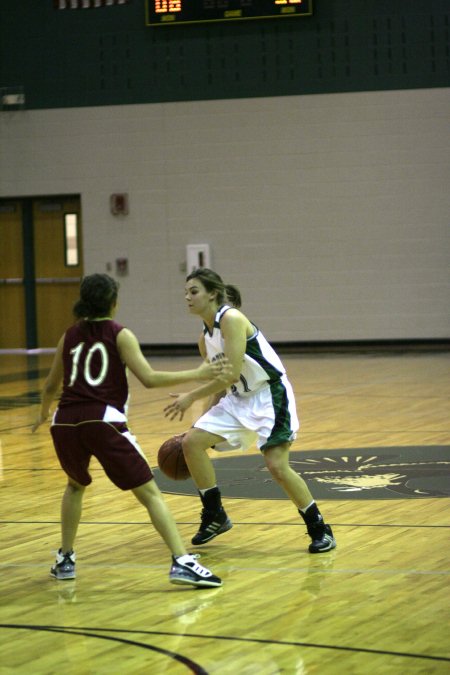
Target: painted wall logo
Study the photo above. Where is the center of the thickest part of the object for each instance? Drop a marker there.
(358, 473)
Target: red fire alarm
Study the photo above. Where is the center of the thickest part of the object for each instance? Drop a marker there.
(122, 267)
(119, 204)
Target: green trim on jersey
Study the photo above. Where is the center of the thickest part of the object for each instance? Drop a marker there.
(253, 349)
(281, 431)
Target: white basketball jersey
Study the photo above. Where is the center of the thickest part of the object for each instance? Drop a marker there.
(261, 364)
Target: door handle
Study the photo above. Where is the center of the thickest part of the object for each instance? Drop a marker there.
(58, 280)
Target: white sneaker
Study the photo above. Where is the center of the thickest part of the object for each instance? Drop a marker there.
(64, 567)
(186, 570)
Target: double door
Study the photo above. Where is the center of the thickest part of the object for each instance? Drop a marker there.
(40, 269)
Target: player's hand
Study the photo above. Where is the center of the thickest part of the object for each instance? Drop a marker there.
(208, 370)
(178, 407)
(225, 374)
(220, 370)
(39, 420)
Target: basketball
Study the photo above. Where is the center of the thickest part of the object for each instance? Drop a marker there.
(171, 459)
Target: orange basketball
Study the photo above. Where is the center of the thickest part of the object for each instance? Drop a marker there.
(171, 459)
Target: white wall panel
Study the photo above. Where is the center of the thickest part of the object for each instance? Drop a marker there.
(331, 212)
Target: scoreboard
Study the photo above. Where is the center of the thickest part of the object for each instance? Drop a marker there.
(175, 12)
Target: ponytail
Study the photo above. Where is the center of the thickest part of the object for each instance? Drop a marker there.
(233, 295)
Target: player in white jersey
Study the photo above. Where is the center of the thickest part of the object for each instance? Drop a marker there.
(258, 406)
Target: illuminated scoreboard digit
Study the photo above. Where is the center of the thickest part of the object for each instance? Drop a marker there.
(173, 12)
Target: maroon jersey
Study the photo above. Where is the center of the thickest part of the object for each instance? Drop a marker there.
(93, 370)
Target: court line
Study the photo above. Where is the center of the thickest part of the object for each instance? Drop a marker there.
(235, 522)
(230, 567)
(194, 667)
(78, 630)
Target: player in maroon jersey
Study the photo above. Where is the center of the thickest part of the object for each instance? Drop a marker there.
(91, 419)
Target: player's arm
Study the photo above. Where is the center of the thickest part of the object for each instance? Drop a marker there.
(233, 326)
(210, 401)
(51, 386)
(131, 354)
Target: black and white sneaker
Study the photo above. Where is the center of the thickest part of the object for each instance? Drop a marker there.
(186, 570)
(64, 567)
(212, 524)
(322, 539)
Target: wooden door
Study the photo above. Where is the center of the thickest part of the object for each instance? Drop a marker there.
(57, 278)
(12, 296)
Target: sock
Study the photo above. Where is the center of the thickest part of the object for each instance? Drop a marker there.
(202, 492)
(311, 515)
(211, 499)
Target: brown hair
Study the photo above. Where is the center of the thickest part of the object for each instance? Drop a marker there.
(213, 282)
(98, 293)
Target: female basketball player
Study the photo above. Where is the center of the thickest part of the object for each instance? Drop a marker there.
(258, 406)
(90, 361)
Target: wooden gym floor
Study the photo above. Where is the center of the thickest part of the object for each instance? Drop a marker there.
(379, 603)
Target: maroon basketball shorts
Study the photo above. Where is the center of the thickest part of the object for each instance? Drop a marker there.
(111, 443)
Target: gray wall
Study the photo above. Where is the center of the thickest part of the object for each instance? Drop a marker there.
(331, 212)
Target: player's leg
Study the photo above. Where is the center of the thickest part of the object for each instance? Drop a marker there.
(185, 569)
(75, 462)
(195, 444)
(214, 519)
(125, 465)
(277, 461)
(150, 496)
(71, 506)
